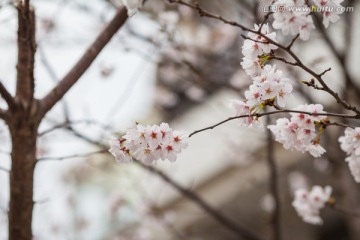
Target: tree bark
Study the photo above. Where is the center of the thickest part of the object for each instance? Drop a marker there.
(26, 56)
(23, 133)
(23, 125)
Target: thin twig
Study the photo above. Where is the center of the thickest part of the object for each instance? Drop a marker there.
(6, 96)
(71, 156)
(293, 41)
(344, 210)
(258, 115)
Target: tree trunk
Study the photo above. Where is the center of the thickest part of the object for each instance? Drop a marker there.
(23, 154)
(23, 125)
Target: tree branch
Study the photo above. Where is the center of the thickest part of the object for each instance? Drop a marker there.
(6, 96)
(84, 63)
(258, 115)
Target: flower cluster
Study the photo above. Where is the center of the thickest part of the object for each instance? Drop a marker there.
(270, 85)
(300, 131)
(148, 143)
(256, 47)
(132, 6)
(295, 20)
(308, 204)
(350, 143)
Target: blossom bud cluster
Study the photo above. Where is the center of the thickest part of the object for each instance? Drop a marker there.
(148, 143)
(350, 143)
(300, 131)
(308, 204)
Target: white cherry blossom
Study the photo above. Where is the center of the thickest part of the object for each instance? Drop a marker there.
(148, 143)
(330, 10)
(294, 20)
(308, 204)
(299, 132)
(350, 143)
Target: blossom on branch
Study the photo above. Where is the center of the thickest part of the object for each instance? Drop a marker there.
(308, 204)
(270, 85)
(300, 131)
(255, 47)
(350, 143)
(243, 108)
(148, 143)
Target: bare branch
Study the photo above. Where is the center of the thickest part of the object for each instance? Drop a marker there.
(71, 156)
(4, 115)
(258, 115)
(85, 61)
(343, 210)
(6, 96)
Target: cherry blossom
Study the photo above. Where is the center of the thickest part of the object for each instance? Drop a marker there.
(330, 10)
(350, 143)
(148, 143)
(295, 20)
(308, 204)
(254, 47)
(299, 132)
(270, 85)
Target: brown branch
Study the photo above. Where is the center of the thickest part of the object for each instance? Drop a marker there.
(4, 115)
(6, 96)
(343, 210)
(258, 115)
(71, 156)
(85, 61)
(293, 41)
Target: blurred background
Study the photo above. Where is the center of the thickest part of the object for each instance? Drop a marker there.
(167, 64)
